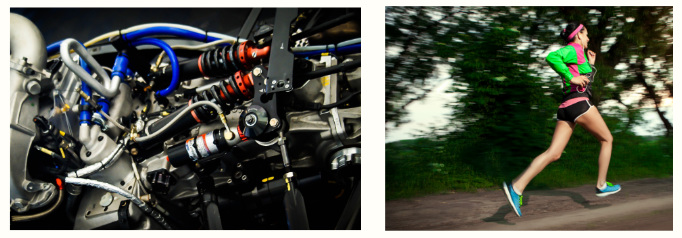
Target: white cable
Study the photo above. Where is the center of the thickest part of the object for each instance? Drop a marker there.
(137, 177)
(202, 46)
(149, 25)
(182, 113)
(108, 69)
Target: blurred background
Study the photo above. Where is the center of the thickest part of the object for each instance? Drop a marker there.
(470, 100)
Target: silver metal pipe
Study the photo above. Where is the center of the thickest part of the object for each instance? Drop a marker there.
(108, 88)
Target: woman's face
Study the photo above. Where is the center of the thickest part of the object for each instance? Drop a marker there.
(582, 38)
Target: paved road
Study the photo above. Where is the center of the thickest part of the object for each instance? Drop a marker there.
(645, 204)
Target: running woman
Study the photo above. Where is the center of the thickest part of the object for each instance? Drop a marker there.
(575, 68)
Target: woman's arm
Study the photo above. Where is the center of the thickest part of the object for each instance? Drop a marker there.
(558, 60)
(591, 56)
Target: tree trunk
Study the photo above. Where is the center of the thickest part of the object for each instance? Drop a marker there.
(651, 93)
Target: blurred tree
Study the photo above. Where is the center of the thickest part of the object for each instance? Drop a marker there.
(410, 59)
(478, 42)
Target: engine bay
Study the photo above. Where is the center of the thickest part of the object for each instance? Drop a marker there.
(170, 126)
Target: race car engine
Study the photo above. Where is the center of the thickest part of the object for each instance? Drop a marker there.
(169, 126)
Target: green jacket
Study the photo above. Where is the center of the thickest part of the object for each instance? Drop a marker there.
(569, 62)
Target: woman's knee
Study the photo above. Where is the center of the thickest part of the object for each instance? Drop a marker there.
(553, 155)
(607, 138)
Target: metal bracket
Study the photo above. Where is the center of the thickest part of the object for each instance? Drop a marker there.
(248, 24)
(262, 117)
(281, 59)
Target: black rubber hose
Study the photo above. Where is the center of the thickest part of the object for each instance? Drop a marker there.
(317, 106)
(330, 70)
(71, 202)
(340, 102)
(189, 69)
(323, 26)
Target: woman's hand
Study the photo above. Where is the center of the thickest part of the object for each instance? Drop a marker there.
(581, 81)
(591, 56)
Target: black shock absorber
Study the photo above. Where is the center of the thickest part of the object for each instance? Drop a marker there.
(228, 93)
(200, 147)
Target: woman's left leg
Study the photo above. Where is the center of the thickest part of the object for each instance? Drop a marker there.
(594, 123)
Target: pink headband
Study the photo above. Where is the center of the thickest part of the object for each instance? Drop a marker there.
(575, 32)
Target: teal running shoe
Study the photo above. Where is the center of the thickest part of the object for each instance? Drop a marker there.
(610, 189)
(515, 200)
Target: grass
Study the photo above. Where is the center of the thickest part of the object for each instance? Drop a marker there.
(423, 166)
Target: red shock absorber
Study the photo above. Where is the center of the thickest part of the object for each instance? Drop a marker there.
(244, 83)
(230, 59)
(232, 90)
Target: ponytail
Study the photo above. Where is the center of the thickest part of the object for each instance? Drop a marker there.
(567, 33)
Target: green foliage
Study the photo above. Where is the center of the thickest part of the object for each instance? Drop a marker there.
(422, 166)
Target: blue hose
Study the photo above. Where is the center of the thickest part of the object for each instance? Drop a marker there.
(120, 66)
(349, 49)
(104, 103)
(175, 81)
(163, 30)
(53, 48)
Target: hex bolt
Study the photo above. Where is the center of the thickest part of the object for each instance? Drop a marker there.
(229, 180)
(257, 71)
(244, 177)
(250, 119)
(133, 151)
(274, 122)
(239, 165)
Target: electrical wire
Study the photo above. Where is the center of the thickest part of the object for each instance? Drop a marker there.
(150, 25)
(137, 177)
(108, 69)
(182, 113)
(162, 30)
(53, 48)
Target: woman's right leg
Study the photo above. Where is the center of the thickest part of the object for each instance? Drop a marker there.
(562, 133)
